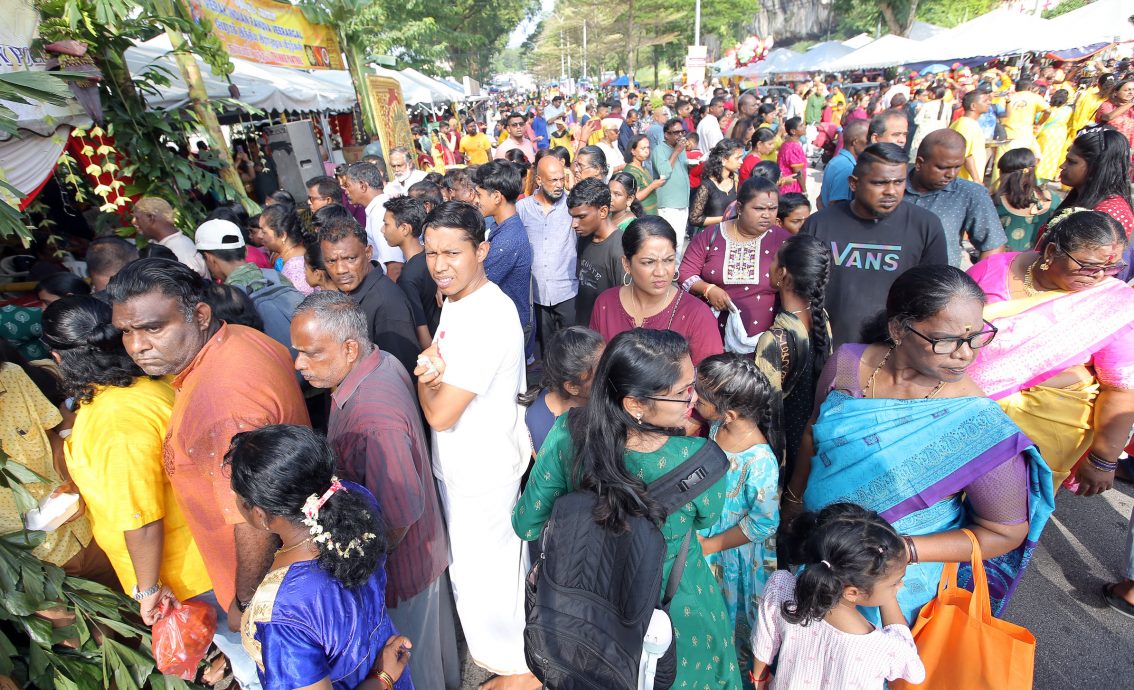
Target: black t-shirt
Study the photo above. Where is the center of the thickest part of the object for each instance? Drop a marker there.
(388, 312)
(419, 287)
(869, 255)
(599, 269)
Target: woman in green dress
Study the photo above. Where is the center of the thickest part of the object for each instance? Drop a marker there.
(1022, 204)
(636, 166)
(632, 426)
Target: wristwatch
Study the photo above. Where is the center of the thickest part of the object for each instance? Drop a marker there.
(242, 606)
(138, 596)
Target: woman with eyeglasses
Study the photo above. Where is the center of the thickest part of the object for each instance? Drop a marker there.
(629, 434)
(1063, 368)
(901, 429)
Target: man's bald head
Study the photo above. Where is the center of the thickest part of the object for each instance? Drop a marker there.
(550, 178)
(947, 140)
(747, 104)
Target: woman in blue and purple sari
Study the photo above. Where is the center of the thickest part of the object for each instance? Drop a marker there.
(900, 429)
(318, 620)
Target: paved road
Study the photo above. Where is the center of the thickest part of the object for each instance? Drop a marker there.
(1081, 642)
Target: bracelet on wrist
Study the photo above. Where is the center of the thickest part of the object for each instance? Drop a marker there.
(146, 593)
(705, 294)
(384, 678)
(1100, 463)
(911, 549)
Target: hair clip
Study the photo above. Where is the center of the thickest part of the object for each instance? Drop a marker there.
(826, 564)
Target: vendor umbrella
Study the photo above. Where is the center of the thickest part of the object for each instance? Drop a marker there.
(936, 68)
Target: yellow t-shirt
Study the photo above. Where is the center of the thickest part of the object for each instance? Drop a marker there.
(25, 417)
(476, 148)
(1020, 115)
(974, 145)
(1085, 108)
(564, 141)
(114, 454)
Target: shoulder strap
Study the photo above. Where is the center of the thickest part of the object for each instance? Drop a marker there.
(677, 570)
(673, 312)
(690, 479)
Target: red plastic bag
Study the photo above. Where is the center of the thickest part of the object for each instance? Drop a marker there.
(181, 639)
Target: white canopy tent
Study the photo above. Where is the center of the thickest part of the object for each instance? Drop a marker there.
(1102, 21)
(1000, 32)
(814, 59)
(438, 86)
(888, 51)
(262, 86)
(775, 58)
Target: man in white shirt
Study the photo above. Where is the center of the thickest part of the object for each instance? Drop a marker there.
(364, 187)
(153, 219)
(709, 132)
(401, 163)
(794, 105)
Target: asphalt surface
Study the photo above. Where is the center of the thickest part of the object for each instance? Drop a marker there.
(1080, 641)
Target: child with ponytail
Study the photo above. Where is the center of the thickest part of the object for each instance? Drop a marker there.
(740, 547)
(812, 625)
(319, 616)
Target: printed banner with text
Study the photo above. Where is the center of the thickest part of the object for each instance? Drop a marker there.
(272, 33)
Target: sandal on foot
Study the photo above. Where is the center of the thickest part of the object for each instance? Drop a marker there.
(1116, 602)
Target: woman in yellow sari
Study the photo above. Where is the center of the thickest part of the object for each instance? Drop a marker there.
(1062, 364)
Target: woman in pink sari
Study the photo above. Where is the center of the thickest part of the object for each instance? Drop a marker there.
(1062, 364)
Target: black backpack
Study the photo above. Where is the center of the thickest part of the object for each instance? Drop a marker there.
(591, 593)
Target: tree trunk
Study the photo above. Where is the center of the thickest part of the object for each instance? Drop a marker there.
(199, 101)
(357, 69)
(911, 18)
(630, 41)
(892, 24)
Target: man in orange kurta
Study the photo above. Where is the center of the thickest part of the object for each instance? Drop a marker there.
(228, 379)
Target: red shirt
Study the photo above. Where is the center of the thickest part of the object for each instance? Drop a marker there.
(378, 438)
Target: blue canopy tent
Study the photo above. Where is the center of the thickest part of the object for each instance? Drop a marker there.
(624, 80)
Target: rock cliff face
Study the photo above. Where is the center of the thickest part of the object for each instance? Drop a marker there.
(793, 19)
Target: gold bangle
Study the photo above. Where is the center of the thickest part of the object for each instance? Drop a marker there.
(705, 294)
(385, 678)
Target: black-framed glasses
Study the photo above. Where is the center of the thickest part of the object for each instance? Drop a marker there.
(684, 401)
(947, 346)
(676, 131)
(1091, 270)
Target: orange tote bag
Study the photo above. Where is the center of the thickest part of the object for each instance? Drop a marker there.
(963, 646)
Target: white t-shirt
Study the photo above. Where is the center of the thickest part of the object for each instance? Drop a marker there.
(480, 339)
(186, 252)
(614, 157)
(383, 252)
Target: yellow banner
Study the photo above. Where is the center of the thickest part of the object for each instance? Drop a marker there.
(272, 33)
(389, 115)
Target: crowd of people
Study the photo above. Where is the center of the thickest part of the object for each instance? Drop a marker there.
(340, 422)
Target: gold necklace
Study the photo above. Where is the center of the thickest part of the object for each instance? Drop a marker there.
(1029, 280)
(642, 310)
(294, 546)
(870, 381)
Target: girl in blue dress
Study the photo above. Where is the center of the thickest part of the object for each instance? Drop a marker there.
(318, 619)
(740, 547)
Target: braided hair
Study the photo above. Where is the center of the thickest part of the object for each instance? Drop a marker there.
(733, 382)
(808, 261)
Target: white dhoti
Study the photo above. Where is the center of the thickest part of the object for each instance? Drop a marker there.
(487, 571)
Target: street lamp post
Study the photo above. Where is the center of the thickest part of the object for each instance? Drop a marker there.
(697, 24)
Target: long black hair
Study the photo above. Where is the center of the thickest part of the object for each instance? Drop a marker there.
(64, 283)
(79, 330)
(284, 222)
(570, 358)
(843, 545)
(919, 294)
(1018, 185)
(1107, 154)
(808, 261)
(636, 364)
(278, 468)
(732, 381)
(631, 186)
(714, 164)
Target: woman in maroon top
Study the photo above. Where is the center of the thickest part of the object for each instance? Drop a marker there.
(651, 300)
(729, 264)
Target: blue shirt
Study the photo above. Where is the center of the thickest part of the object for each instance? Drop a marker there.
(509, 264)
(836, 184)
(964, 209)
(554, 255)
(539, 126)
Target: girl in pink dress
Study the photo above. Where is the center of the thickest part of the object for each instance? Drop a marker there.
(792, 158)
(811, 623)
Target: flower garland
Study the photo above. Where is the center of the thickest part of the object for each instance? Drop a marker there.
(311, 509)
(749, 51)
